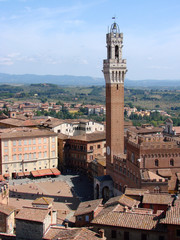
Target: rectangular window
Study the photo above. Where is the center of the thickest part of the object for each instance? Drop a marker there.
(6, 143)
(25, 149)
(20, 149)
(39, 154)
(6, 158)
(39, 147)
(143, 236)
(53, 139)
(53, 153)
(99, 146)
(19, 142)
(25, 142)
(34, 147)
(39, 140)
(6, 166)
(14, 143)
(30, 148)
(87, 218)
(34, 141)
(113, 234)
(45, 140)
(14, 157)
(25, 156)
(126, 235)
(45, 154)
(20, 156)
(34, 155)
(29, 141)
(5, 150)
(178, 232)
(45, 146)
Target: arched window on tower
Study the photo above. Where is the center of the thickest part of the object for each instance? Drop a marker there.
(109, 52)
(156, 162)
(171, 162)
(116, 51)
(122, 77)
(132, 157)
(113, 76)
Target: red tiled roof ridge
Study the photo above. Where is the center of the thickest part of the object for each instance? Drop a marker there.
(128, 220)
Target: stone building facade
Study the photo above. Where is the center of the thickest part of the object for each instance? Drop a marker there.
(80, 151)
(23, 150)
(7, 218)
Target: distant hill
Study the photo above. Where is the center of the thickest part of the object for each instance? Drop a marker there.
(164, 84)
(83, 81)
(59, 80)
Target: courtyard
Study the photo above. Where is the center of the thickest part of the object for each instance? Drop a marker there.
(66, 190)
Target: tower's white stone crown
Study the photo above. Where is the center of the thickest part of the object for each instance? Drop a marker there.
(114, 67)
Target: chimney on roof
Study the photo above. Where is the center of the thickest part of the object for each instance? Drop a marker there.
(66, 224)
(125, 208)
(101, 233)
(169, 206)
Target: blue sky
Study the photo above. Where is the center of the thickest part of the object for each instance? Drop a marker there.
(68, 37)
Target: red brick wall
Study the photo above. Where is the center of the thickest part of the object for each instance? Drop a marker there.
(115, 119)
(155, 207)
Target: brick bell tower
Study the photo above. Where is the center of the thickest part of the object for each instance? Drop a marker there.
(114, 69)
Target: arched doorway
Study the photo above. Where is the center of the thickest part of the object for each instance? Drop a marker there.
(105, 193)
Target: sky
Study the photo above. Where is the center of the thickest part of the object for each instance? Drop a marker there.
(68, 37)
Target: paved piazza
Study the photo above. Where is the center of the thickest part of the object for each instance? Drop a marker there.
(66, 190)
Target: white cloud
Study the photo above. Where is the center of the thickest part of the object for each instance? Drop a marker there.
(6, 61)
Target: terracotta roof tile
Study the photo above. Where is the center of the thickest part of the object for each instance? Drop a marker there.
(90, 137)
(159, 198)
(87, 207)
(176, 129)
(24, 132)
(135, 191)
(58, 233)
(128, 220)
(13, 122)
(6, 209)
(146, 174)
(32, 214)
(172, 216)
(123, 200)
